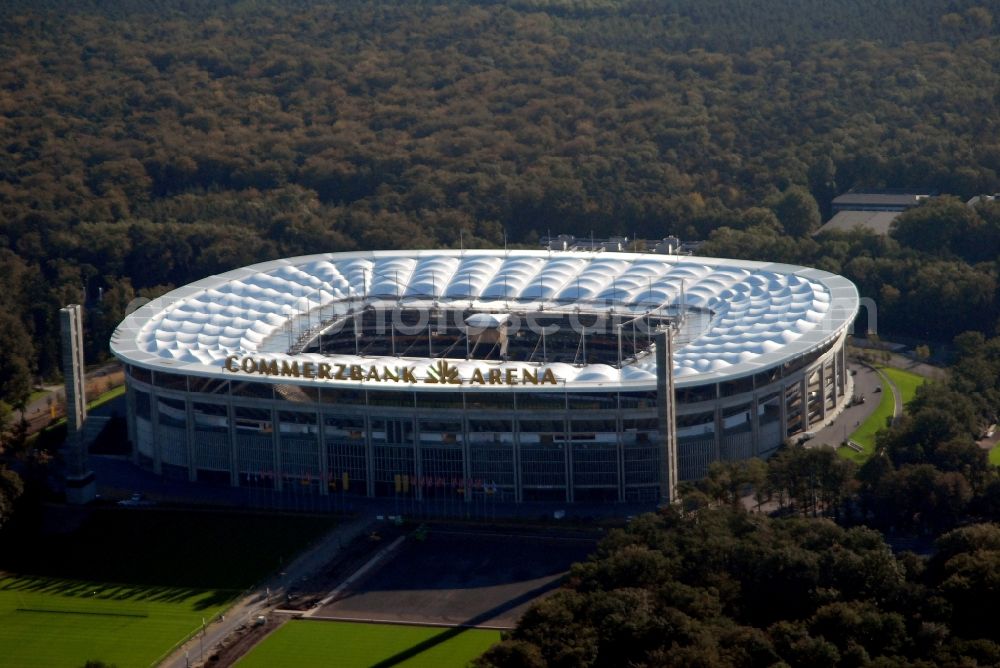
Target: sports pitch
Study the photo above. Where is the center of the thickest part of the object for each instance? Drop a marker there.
(58, 606)
(49, 622)
(304, 644)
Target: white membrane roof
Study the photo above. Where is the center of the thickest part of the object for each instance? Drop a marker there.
(762, 314)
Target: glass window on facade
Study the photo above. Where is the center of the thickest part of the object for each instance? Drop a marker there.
(447, 432)
(140, 374)
(396, 431)
(769, 408)
(379, 398)
(737, 418)
(594, 431)
(252, 390)
(444, 400)
(693, 395)
(351, 397)
(696, 424)
(765, 378)
(171, 412)
(142, 404)
(495, 430)
(541, 401)
(210, 417)
(631, 400)
(489, 400)
(592, 401)
(542, 431)
(208, 385)
(170, 381)
(349, 428)
(738, 386)
(642, 430)
(297, 393)
(297, 423)
(256, 420)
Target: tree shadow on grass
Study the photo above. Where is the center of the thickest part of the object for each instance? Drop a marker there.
(471, 623)
(123, 593)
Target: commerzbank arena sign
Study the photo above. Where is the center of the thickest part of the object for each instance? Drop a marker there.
(440, 373)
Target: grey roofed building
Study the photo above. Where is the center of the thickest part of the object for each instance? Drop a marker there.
(844, 221)
(877, 200)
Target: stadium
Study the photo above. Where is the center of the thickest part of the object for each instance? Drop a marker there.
(519, 375)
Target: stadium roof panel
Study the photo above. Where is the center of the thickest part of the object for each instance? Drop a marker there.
(761, 314)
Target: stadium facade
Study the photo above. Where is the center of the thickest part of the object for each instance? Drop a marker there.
(521, 375)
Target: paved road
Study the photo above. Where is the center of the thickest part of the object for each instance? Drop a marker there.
(897, 408)
(257, 603)
(866, 381)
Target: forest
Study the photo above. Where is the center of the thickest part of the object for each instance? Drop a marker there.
(148, 144)
(889, 564)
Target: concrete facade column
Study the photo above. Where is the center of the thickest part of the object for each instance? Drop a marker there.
(234, 458)
(518, 479)
(755, 424)
(783, 413)
(717, 432)
(822, 392)
(568, 457)
(190, 438)
(418, 463)
(324, 458)
(667, 415)
(620, 450)
(804, 401)
(369, 455)
(279, 477)
(130, 420)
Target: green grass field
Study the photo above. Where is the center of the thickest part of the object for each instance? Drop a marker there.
(907, 383)
(306, 643)
(995, 456)
(51, 622)
(58, 606)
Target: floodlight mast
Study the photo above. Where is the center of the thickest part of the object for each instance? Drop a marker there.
(667, 413)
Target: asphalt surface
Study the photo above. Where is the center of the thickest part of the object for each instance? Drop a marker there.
(866, 382)
(461, 578)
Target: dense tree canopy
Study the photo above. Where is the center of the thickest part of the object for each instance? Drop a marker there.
(725, 588)
(149, 144)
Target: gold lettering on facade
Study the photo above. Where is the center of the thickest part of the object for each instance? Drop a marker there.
(442, 372)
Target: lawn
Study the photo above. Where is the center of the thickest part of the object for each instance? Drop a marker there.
(125, 585)
(865, 434)
(906, 382)
(305, 643)
(52, 622)
(995, 455)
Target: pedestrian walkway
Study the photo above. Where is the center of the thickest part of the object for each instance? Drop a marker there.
(265, 597)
